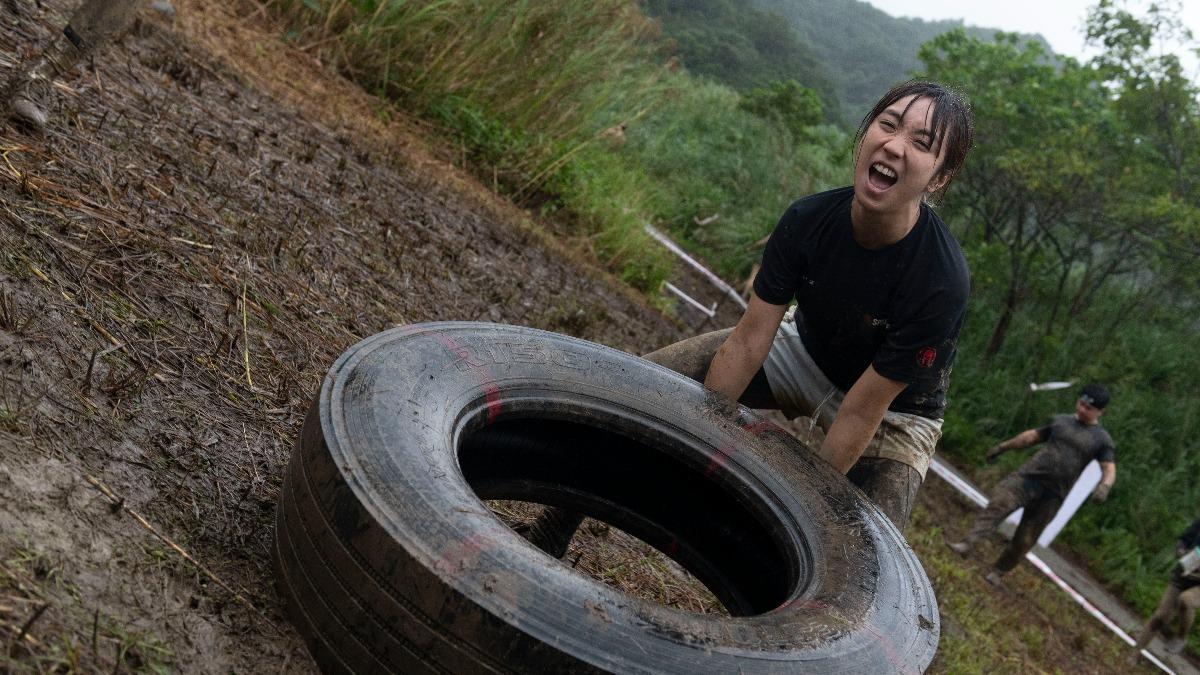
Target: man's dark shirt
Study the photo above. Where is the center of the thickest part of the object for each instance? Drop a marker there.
(1070, 445)
(1187, 541)
(1191, 536)
(898, 308)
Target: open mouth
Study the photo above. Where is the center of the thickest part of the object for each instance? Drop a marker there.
(881, 177)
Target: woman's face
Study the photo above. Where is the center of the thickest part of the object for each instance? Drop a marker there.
(896, 161)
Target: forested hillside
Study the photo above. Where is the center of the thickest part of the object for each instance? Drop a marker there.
(743, 47)
(847, 51)
(863, 49)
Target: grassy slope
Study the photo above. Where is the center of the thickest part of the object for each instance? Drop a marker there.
(1030, 626)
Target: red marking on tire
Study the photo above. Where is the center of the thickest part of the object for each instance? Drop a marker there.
(491, 397)
(719, 459)
(461, 554)
(491, 392)
(672, 547)
(761, 427)
(756, 427)
(889, 648)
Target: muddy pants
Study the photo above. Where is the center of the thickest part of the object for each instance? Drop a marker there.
(1180, 599)
(1014, 492)
(92, 25)
(891, 484)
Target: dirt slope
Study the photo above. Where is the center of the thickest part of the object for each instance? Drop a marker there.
(182, 255)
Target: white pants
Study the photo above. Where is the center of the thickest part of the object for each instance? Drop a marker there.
(801, 388)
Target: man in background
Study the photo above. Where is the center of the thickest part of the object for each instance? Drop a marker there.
(1181, 597)
(93, 24)
(1040, 484)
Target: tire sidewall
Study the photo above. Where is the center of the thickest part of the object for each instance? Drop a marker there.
(387, 424)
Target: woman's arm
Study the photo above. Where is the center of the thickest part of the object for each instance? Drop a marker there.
(744, 351)
(858, 418)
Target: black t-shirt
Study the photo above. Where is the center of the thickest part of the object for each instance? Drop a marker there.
(898, 308)
(1187, 541)
(1191, 536)
(1070, 445)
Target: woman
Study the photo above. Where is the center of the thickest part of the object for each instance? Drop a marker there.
(881, 290)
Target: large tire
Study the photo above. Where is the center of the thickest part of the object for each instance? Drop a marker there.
(389, 561)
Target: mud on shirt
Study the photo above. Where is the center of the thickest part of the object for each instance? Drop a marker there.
(1070, 445)
(899, 308)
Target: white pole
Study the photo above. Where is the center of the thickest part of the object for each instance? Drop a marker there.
(695, 264)
(690, 300)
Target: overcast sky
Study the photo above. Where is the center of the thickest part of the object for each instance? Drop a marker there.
(1061, 22)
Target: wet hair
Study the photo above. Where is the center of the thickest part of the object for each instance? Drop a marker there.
(1094, 395)
(952, 125)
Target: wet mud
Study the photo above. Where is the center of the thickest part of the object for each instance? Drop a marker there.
(183, 253)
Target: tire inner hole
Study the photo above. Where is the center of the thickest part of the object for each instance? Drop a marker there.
(649, 487)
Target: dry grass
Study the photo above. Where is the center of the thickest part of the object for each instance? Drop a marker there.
(626, 563)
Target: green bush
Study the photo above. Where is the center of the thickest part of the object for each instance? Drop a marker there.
(542, 97)
(711, 157)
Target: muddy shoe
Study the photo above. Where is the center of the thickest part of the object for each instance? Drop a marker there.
(959, 547)
(29, 91)
(27, 100)
(1175, 645)
(995, 579)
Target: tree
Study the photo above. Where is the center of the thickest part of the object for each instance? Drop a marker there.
(789, 104)
(1161, 109)
(1083, 174)
(1034, 172)
(741, 46)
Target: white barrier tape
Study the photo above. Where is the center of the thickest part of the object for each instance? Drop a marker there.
(1091, 609)
(690, 300)
(947, 474)
(966, 489)
(716, 280)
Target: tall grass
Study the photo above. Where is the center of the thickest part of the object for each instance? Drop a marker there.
(529, 87)
(543, 96)
(712, 159)
(549, 66)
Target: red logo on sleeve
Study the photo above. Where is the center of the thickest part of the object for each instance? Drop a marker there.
(926, 357)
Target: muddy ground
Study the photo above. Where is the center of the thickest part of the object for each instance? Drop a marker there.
(210, 220)
(184, 254)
